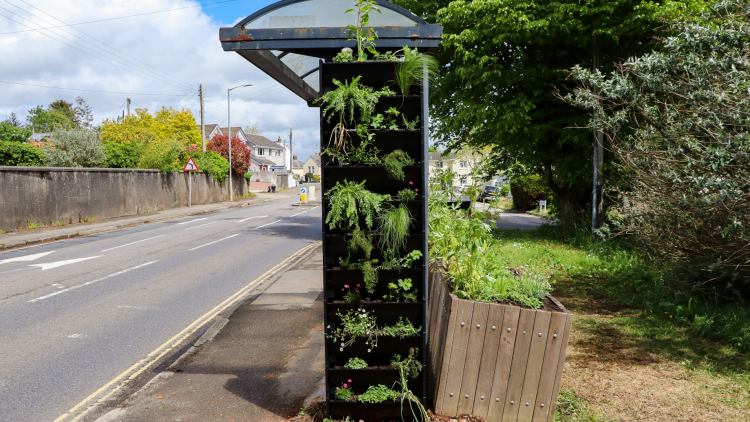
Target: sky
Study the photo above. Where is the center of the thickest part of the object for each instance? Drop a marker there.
(155, 59)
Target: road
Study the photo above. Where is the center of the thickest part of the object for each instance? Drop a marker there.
(75, 314)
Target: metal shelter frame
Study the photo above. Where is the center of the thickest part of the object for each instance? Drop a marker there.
(289, 54)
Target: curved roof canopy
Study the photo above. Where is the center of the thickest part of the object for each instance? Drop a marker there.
(288, 38)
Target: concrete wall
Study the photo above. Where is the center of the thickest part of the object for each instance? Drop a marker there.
(44, 195)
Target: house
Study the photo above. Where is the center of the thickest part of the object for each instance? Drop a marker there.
(298, 168)
(267, 154)
(461, 167)
(312, 165)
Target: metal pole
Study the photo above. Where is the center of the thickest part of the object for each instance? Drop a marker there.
(190, 189)
(425, 215)
(203, 124)
(596, 197)
(291, 153)
(128, 107)
(229, 137)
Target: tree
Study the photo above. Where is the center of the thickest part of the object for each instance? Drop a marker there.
(253, 129)
(75, 148)
(83, 113)
(57, 117)
(240, 152)
(12, 133)
(501, 61)
(13, 120)
(677, 119)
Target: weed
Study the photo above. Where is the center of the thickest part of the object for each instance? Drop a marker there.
(87, 219)
(32, 226)
(59, 223)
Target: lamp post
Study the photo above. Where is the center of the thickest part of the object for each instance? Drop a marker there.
(229, 136)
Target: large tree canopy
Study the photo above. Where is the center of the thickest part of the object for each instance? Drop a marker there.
(502, 61)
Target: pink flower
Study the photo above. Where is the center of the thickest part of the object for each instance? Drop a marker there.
(350, 380)
(416, 190)
(358, 285)
(346, 285)
(342, 290)
(337, 388)
(345, 385)
(411, 183)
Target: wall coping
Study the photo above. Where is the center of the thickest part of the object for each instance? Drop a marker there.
(76, 169)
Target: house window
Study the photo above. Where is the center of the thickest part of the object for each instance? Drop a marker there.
(463, 181)
(278, 153)
(260, 151)
(313, 169)
(439, 164)
(462, 164)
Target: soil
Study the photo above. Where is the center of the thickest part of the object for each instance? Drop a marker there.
(547, 305)
(462, 418)
(376, 301)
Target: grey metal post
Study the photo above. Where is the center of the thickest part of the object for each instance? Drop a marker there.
(190, 189)
(203, 123)
(425, 213)
(596, 197)
(128, 107)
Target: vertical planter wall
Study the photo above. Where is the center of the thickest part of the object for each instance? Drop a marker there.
(500, 362)
(376, 75)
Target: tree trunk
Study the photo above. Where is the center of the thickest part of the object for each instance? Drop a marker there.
(572, 199)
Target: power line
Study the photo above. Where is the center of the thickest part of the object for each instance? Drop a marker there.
(89, 90)
(123, 17)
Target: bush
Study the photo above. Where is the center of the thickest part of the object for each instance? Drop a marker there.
(528, 190)
(505, 190)
(212, 163)
(125, 155)
(11, 133)
(75, 148)
(309, 176)
(240, 152)
(17, 154)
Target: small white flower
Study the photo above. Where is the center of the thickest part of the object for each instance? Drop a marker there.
(368, 350)
(341, 349)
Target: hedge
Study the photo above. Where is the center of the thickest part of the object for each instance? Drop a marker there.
(17, 154)
(528, 190)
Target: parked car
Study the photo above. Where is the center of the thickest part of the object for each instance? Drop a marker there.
(488, 192)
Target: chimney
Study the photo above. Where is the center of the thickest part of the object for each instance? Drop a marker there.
(294, 156)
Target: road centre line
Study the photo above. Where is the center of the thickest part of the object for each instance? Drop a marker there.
(201, 225)
(122, 246)
(192, 221)
(215, 241)
(172, 343)
(266, 224)
(298, 213)
(90, 282)
(250, 218)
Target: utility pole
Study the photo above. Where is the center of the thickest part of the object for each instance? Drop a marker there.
(291, 153)
(596, 198)
(128, 107)
(203, 123)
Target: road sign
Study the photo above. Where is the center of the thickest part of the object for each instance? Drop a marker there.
(303, 191)
(190, 166)
(303, 195)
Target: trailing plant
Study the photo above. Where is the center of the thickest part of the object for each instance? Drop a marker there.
(394, 163)
(351, 296)
(403, 328)
(410, 367)
(361, 32)
(407, 194)
(355, 323)
(344, 392)
(411, 70)
(401, 291)
(355, 363)
(394, 224)
(378, 394)
(348, 200)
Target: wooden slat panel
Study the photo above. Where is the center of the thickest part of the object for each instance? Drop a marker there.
(473, 358)
(503, 364)
(549, 367)
(443, 338)
(534, 366)
(445, 360)
(518, 367)
(482, 397)
(464, 313)
(560, 366)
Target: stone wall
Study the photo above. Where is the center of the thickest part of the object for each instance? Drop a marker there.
(43, 195)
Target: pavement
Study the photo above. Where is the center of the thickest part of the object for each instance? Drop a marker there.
(23, 238)
(87, 321)
(264, 364)
(519, 221)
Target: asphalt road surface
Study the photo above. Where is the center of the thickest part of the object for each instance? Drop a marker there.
(76, 314)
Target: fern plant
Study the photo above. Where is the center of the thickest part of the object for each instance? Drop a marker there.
(394, 163)
(348, 200)
(360, 242)
(411, 70)
(349, 98)
(394, 224)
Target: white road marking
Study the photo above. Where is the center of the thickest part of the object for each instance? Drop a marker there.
(313, 208)
(122, 246)
(299, 213)
(15, 271)
(75, 336)
(215, 241)
(201, 225)
(90, 282)
(51, 265)
(250, 218)
(59, 286)
(267, 224)
(25, 258)
(192, 221)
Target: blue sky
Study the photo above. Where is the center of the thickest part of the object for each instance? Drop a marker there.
(230, 11)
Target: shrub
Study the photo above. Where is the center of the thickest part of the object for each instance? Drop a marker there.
(240, 152)
(122, 155)
(212, 163)
(505, 190)
(528, 190)
(11, 133)
(75, 148)
(17, 154)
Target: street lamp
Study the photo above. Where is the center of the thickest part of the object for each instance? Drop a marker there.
(229, 136)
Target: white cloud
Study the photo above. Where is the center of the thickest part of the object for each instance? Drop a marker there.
(164, 53)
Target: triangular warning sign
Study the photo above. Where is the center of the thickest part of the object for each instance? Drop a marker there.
(190, 166)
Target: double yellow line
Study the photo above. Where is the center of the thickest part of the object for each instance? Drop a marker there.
(153, 357)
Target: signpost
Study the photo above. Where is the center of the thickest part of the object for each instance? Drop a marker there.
(303, 195)
(190, 166)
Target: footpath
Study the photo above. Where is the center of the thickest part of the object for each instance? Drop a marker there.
(23, 238)
(265, 364)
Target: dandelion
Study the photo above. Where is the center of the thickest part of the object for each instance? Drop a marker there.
(670, 316)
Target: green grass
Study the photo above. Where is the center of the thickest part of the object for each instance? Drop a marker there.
(571, 408)
(89, 219)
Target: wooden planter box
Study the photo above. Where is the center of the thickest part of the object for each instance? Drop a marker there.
(499, 362)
